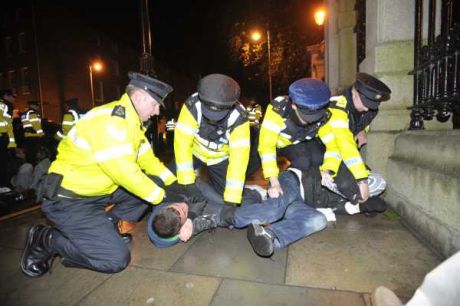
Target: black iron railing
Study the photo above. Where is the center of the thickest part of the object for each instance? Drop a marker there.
(436, 65)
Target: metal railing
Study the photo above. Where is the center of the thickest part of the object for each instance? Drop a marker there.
(436, 65)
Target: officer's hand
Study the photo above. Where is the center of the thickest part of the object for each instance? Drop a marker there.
(192, 191)
(327, 180)
(186, 231)
(364, 189)
(174, 193)
(275, 189)
(361, 138)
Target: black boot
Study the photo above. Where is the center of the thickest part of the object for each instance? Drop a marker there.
(373, 206)
(37, 255)
(203, 223)
(262, 241)
(126, 237)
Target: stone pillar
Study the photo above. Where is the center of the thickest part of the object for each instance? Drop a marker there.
(340, 44)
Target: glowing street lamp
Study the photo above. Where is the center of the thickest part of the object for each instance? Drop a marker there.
(97, 66)
(256, 36)
(320, 16)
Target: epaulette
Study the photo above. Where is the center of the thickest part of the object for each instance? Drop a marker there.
(242, 111)
(339, 102)
(119, 111)
(190, 102)
(280, 104)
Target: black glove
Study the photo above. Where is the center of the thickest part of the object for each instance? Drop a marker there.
(191, 191)
(174, 193)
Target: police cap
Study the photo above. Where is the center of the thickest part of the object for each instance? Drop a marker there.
(219, 93)
(157, 89)
(371, 90)
(311, 96)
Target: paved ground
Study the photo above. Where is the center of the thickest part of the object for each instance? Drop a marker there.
(338, 266)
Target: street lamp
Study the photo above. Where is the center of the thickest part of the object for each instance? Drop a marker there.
(256, 36)
(96, 66)
(320, 15)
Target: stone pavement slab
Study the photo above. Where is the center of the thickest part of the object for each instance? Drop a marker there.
(13, 232)
(227, 253)
(360, 257)
(63, 287)
(234, 292)
(145, 254)
(138, 286)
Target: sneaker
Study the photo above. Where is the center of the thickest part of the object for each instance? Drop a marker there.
(204, 223)
(262, 191)
(382, 296)
(261, 240)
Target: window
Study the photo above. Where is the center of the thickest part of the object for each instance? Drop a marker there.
(22, 42)
(7, 42)
(99, 92)
(25, 80)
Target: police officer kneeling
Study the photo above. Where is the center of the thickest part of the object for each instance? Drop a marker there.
(105, 158)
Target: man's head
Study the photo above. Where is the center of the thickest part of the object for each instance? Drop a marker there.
(169, 220)
(7, 95)
(34, 104)
(368, 92)
(147, 94)
(218, 94)
(310, 98)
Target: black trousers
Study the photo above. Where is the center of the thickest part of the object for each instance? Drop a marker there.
(218, 176)
(85, 237)
(304, 155)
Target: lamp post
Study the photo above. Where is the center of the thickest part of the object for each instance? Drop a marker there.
(256, 36)
(97, 66)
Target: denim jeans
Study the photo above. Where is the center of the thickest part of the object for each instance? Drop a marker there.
(291, 218)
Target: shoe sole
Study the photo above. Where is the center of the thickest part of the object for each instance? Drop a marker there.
(29, 240)
(258, 241)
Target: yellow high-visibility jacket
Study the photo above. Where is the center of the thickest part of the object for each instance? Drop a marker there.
(69, 119)
(345, 144)
(233, 144)
(6, 124)
(275, 134)
(107, 148)
(32, 123)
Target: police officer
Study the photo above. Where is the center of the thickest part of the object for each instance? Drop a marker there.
(351, 114)
(72, 114)
(254, 111)
(213, 130)
(32, 128)
(289, 126)
(7, 139)
(104, 159)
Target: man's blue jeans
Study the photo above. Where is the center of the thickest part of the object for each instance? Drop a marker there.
(291, 218)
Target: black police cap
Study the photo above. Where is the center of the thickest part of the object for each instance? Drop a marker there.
(219, 90)
(372, 90)
(157, 89)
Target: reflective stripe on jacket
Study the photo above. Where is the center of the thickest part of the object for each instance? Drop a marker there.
(32, 124)
(345, 144)
(278, 132)
(231, 142)
(107, 148)
(6, 124)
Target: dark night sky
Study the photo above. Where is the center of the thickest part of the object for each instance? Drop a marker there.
(193, 35)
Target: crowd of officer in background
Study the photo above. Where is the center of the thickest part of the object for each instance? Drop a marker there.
(28, 144)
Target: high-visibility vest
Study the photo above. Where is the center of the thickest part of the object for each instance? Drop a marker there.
(107, 148)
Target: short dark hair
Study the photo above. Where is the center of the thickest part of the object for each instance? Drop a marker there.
(166, 223)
